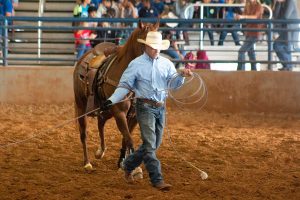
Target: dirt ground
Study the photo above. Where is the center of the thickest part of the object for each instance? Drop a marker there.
(246, 156)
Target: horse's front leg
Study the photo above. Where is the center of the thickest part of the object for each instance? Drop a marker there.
(127, 142)
(101, 123)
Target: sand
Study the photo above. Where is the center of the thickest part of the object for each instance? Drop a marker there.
(246, 156)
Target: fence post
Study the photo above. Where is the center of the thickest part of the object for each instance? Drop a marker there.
(270, 46)
(5, 42)
(201, 26)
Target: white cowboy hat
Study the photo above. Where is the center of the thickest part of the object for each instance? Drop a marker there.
(154, 40)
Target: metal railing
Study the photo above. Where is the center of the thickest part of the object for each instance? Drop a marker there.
(217, 5)
(69, 29)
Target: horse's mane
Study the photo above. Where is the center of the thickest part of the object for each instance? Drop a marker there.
(125, 50)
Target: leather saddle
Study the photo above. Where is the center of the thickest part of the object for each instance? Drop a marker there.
(89, 65)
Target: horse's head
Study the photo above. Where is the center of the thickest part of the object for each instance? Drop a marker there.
(132, 46)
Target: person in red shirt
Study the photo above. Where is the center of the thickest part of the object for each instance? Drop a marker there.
(82, 40)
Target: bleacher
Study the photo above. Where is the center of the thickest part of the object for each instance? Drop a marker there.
(60, 43)
(54, 43)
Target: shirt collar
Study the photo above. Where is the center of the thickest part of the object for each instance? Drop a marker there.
(149, 58)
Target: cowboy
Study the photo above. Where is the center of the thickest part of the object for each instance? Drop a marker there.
(148, 76)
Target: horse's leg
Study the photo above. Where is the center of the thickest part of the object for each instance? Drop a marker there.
(102, 148)
(127, 142)
(131, 123)
(83, 135)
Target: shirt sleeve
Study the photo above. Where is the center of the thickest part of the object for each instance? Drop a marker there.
(174, 79)
(126, 84)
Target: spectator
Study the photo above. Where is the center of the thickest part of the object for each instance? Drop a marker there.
(81, 10)
(184, 11)
(209, 13)
(286, 9)
(85, 8)
(229, 13)
(106, 4)
(159, 5)
(77, 9)
(253, 10)
(6, 9)
(92, 11)
(128, 10)
(95, 3)
(189, 56)
(105, 35)
(148, 11)
(202, 55)
(173, 51)
(82, 39)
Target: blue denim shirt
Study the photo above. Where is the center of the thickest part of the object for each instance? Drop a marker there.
(148, 78)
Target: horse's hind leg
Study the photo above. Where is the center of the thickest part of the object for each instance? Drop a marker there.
(83, 135)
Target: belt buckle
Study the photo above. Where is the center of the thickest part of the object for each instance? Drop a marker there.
(159, 103)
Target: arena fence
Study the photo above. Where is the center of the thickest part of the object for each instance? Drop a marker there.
(50, 40)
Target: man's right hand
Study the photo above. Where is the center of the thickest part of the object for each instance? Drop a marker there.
(106, 105)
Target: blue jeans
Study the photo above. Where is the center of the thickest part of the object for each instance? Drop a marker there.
(248, 46)
(233, 34)
(151, 121)
(210, 35)
(81, 49)
(283, 50)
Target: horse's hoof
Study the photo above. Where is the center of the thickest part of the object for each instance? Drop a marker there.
(137, 173)
(88, 167)
(100, 153)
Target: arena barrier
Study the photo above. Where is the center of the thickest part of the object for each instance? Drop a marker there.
(233, 92)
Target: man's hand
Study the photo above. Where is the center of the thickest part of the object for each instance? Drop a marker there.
(186, 72)
(106, 105)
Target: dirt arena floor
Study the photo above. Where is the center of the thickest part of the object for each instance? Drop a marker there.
(246, 156)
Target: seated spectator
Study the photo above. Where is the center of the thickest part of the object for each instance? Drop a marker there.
(184, 11)
(127, 10)
(189, 56)
(85, 7)
(82, 39)
(148, 11)
(81, 10)
(209, 13)
(92, 14)
(173, 51)
(159, 5)
(95, 3)
(167, 14)
(202, 55)
(105, 35)
(229, 13)
(77, 9)
(106, 4)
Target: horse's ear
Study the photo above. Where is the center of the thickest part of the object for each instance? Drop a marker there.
(141, 24)
(156, 25)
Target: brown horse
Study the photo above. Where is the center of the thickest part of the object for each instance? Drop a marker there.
(105, 83)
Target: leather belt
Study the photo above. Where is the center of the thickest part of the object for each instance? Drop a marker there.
(156, 104)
